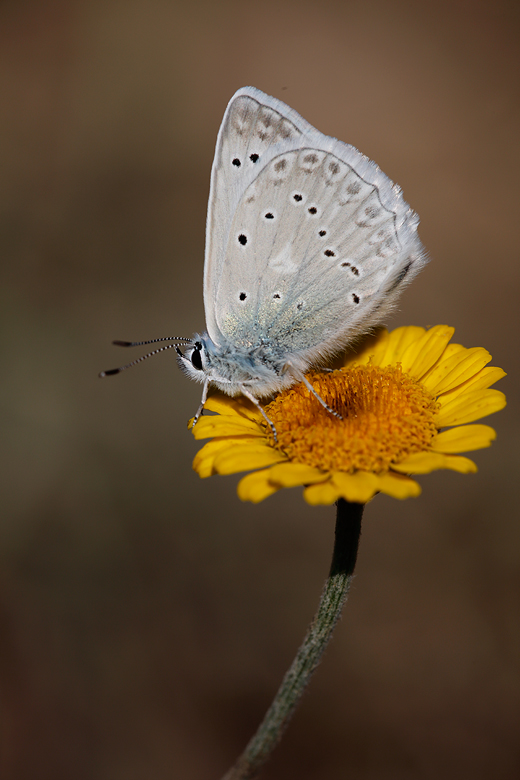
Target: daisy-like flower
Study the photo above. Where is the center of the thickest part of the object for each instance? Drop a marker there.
(405, 398)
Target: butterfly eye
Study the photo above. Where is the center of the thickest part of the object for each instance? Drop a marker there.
(196, 359)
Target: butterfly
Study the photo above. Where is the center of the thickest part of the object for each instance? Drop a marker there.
(308, 245)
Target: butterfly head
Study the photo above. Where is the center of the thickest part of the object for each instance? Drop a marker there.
(194, 360)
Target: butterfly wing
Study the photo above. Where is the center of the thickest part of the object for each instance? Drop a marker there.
(252, 133)
(308, 242)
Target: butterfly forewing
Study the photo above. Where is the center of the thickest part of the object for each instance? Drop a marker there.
(250, 135)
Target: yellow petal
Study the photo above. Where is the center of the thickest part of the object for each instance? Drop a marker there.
(480, 381)
(463, 439)
(204, 460)
(224, 425)
(398, 486)
(420, 463)
(321, 493)
(256, 486)
(370, 349)
(423, 353)
(359, 487)
(452, 349)
(468, 407)
(222, 404)
(385, 348)
(225, 405)
(398, 342)
(426, 462)
(461, 464)
(455, 369)
(378, 349)
(245, 457)
(293, 474)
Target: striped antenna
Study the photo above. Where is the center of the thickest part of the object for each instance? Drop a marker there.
(113, 371)
(151, 341)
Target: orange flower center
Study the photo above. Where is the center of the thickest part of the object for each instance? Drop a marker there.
(387, 415)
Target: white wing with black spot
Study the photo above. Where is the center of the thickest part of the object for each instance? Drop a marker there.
(308, 242)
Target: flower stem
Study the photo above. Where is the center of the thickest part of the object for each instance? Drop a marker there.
(269, 733)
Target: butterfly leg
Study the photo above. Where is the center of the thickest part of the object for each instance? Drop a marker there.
(311, 389)
(258, 405)
(200, 410)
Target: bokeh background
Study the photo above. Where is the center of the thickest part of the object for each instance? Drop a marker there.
(146, 616)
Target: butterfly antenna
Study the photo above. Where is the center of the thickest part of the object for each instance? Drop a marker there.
(144, 357)
(151, 341)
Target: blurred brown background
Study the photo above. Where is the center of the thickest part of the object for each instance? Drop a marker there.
(146, 616)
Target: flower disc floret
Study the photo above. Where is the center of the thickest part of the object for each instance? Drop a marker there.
(386, 416)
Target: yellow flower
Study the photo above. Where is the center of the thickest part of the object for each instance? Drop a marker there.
(394, 396)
